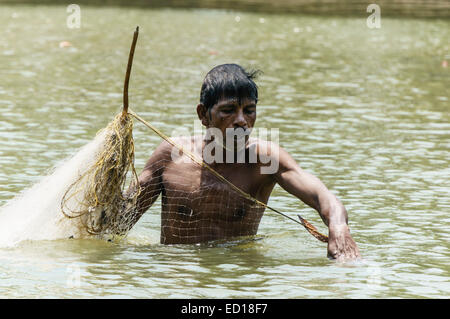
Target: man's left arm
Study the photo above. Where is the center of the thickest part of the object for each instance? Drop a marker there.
(314, 193)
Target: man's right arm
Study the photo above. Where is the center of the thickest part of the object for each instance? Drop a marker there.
(149, 183)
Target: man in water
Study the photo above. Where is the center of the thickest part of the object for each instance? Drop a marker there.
(198, 207)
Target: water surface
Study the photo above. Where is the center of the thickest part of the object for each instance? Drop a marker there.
(367, 111)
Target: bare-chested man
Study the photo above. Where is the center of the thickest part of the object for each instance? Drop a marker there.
(198, 207)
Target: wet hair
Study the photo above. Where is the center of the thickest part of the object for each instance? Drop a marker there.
(228, 80)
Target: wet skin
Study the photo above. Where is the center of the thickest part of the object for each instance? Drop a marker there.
(197, 207)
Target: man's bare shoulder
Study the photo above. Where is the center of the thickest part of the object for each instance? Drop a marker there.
(187, 140)
(263, 147)
(168, 150)
(162, 150)
(271, 152)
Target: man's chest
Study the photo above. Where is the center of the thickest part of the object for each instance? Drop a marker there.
(188, 184)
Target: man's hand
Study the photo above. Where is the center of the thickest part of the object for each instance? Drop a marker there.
(310, 190)
(341, 245)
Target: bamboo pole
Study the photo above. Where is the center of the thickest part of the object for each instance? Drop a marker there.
(127, 75)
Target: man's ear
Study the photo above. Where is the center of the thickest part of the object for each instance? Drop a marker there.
(202, 114)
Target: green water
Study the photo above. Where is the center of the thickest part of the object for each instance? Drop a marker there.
(365, 110)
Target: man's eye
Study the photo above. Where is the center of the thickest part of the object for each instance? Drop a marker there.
(228, 111)
(249, 111)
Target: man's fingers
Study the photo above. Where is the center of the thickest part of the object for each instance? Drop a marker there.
(344, 254)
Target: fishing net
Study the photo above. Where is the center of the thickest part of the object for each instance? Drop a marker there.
(198, 204)
(100, 204)
(87, 195)
(96, 198)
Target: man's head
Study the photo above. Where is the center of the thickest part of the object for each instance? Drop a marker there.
(228, 98)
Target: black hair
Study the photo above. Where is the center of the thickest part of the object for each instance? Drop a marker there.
(228, 80)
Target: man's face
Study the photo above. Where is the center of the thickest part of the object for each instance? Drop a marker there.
(232, 116)
(229, 113)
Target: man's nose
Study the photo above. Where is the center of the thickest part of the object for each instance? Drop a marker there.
(239, 120)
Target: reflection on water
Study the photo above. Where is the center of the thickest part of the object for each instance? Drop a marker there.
(365, 110)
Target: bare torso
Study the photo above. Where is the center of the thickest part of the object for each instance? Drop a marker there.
(198, 207)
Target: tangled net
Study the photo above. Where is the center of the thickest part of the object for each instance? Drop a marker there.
(97, 196)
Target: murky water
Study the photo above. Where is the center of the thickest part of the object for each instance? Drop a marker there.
(366, 110)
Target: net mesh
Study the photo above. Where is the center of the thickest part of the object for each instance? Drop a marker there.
(96, 198)
(198, 204)
(195, 205)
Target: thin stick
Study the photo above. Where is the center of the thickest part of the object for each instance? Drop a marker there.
(310, 228)
(127, 75)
